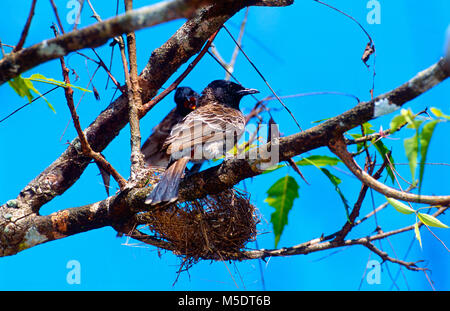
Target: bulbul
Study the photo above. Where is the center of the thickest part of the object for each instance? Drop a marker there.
(186, 101)
(206, 133)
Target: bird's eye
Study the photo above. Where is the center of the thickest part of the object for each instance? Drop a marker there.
(191, 103)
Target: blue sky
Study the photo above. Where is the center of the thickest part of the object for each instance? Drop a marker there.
(303, 48)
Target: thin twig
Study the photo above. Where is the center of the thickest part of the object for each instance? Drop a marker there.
(55, 10)
(219, 57)
(349, 16)
(264, 79)
(350, 223)
(26, 28)
(401, 269)
(225, 67)
(149, 105)
(378, 209)
(108, 71)
(118, 39)
(323, 243)
(409, 265)
(29, 103)
(338, 147)
(79, 101)
(381, 134)
(77, 19)
(85, 146)
(236, 48)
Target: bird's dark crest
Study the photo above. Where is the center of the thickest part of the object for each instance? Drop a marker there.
(226, 92)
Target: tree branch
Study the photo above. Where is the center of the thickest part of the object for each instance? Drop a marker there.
(24, 34)
(226, 175)
(134, 103)
(93, 36)
(323, 243)
(85, 147)
(338, 147)
(164, 61)
(25, 226)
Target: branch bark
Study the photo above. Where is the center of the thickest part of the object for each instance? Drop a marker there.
(164, 61)
(93, 36)
(134, 103)
(24, 225)
(21, 214)
(24, 34)
(338, 147)
(22, 221)
(226, 175)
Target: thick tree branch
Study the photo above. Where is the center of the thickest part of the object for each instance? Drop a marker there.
(98, 34)
(93, 36)
(226, 175)
(25, 226)
(185, 43)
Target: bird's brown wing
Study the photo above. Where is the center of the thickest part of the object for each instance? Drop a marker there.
(205, 124)
(152, 149)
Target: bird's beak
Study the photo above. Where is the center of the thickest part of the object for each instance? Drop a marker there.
(247, 92)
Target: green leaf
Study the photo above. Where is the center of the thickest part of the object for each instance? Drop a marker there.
(319, 121)
(37, 77)
(333, 179)
(417, 233)
(425, 137)
(431, 221)
(400, 207)
(24, 86)
(384, 151)
(20, 86)
(318, 160)
(415, 124)
(281, 196)
(359, 146)
(397, 122)
(412, 148)
(336, 181)
(367, 127)
(408, 115)
(273, 168)
(438, 113)
(31, 87)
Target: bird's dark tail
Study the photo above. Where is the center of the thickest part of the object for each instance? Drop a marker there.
(166, 191)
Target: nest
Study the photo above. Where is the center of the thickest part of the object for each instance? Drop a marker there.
(216, 227)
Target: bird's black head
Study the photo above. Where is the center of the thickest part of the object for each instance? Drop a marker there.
(186, 100)
(227, 92)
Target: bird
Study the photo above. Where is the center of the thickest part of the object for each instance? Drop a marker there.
(186, 101)
(206, 133)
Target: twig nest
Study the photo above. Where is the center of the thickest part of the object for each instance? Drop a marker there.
(216, 227)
